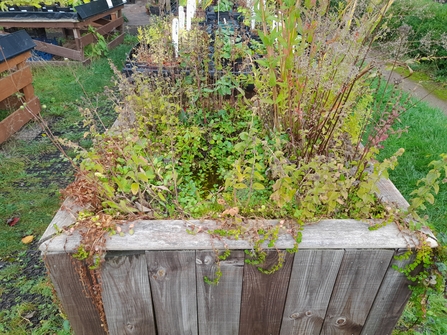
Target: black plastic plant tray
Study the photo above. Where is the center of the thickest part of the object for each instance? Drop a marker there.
(15, 44)
(92, 8)
(38, 16)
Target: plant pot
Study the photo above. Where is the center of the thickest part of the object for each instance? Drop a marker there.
(64, 9)
(341, 281)
(153, 10)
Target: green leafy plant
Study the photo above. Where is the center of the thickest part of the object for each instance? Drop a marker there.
(98, 49)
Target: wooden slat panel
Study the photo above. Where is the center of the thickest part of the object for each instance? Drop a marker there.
(390, 301)
(219, 305)
(82, 314)
(311, 283)
(358, 282)
(88, 22)
(264, 297)
(90, 38)
(13, 122)
(10, 63)
(173, 285)
(59, 51)
(126, 295)
(15, 82)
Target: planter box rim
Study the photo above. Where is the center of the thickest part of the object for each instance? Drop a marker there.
(172, 234)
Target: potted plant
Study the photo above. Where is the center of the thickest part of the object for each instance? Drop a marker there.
(201, 183)
(156, 52)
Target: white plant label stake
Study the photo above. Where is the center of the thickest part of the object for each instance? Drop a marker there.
(181, 18)
(189, 14)
(253, 21)
(175, 35)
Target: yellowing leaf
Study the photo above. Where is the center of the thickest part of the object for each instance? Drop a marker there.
(134, 188)
(27, 239)
(258, 186)
(161, 196)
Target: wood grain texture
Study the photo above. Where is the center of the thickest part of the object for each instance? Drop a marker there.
(173, 285)
(326, 234)
(12, 62)
(356, 287)
(64, 217)
(390, 301)
(13, 122)
(82, 314)
(126, 296)
(15, 82)
(219, 305)
(58, 50)
(264, 297)
(311, 283)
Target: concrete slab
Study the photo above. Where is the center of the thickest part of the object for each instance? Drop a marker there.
(136, 16)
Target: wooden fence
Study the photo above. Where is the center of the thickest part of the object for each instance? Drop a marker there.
(341, 282)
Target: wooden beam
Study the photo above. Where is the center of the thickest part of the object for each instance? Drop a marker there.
(219, 305)
(127, 296)
(83, 315)
(16, 120)
(309, 292)
(172, 277)
(15, 82)
(59, 51)
(11, 63)
(264, 296)
(361, 273)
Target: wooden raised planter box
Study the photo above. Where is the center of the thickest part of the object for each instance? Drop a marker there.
(16, 79)
(341, 281)
(105, 20)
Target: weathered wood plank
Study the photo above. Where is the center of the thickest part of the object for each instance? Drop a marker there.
(64, 217)
(326, 234)
(173, 284)
(83, 316)
(264, 297)
(358, 282)
(11, 63)
(16, 120)
(311, 283)
(126, 295)
(390, 301)
(15, 82)
(219, 305)
(117, 41)
(59, 51)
